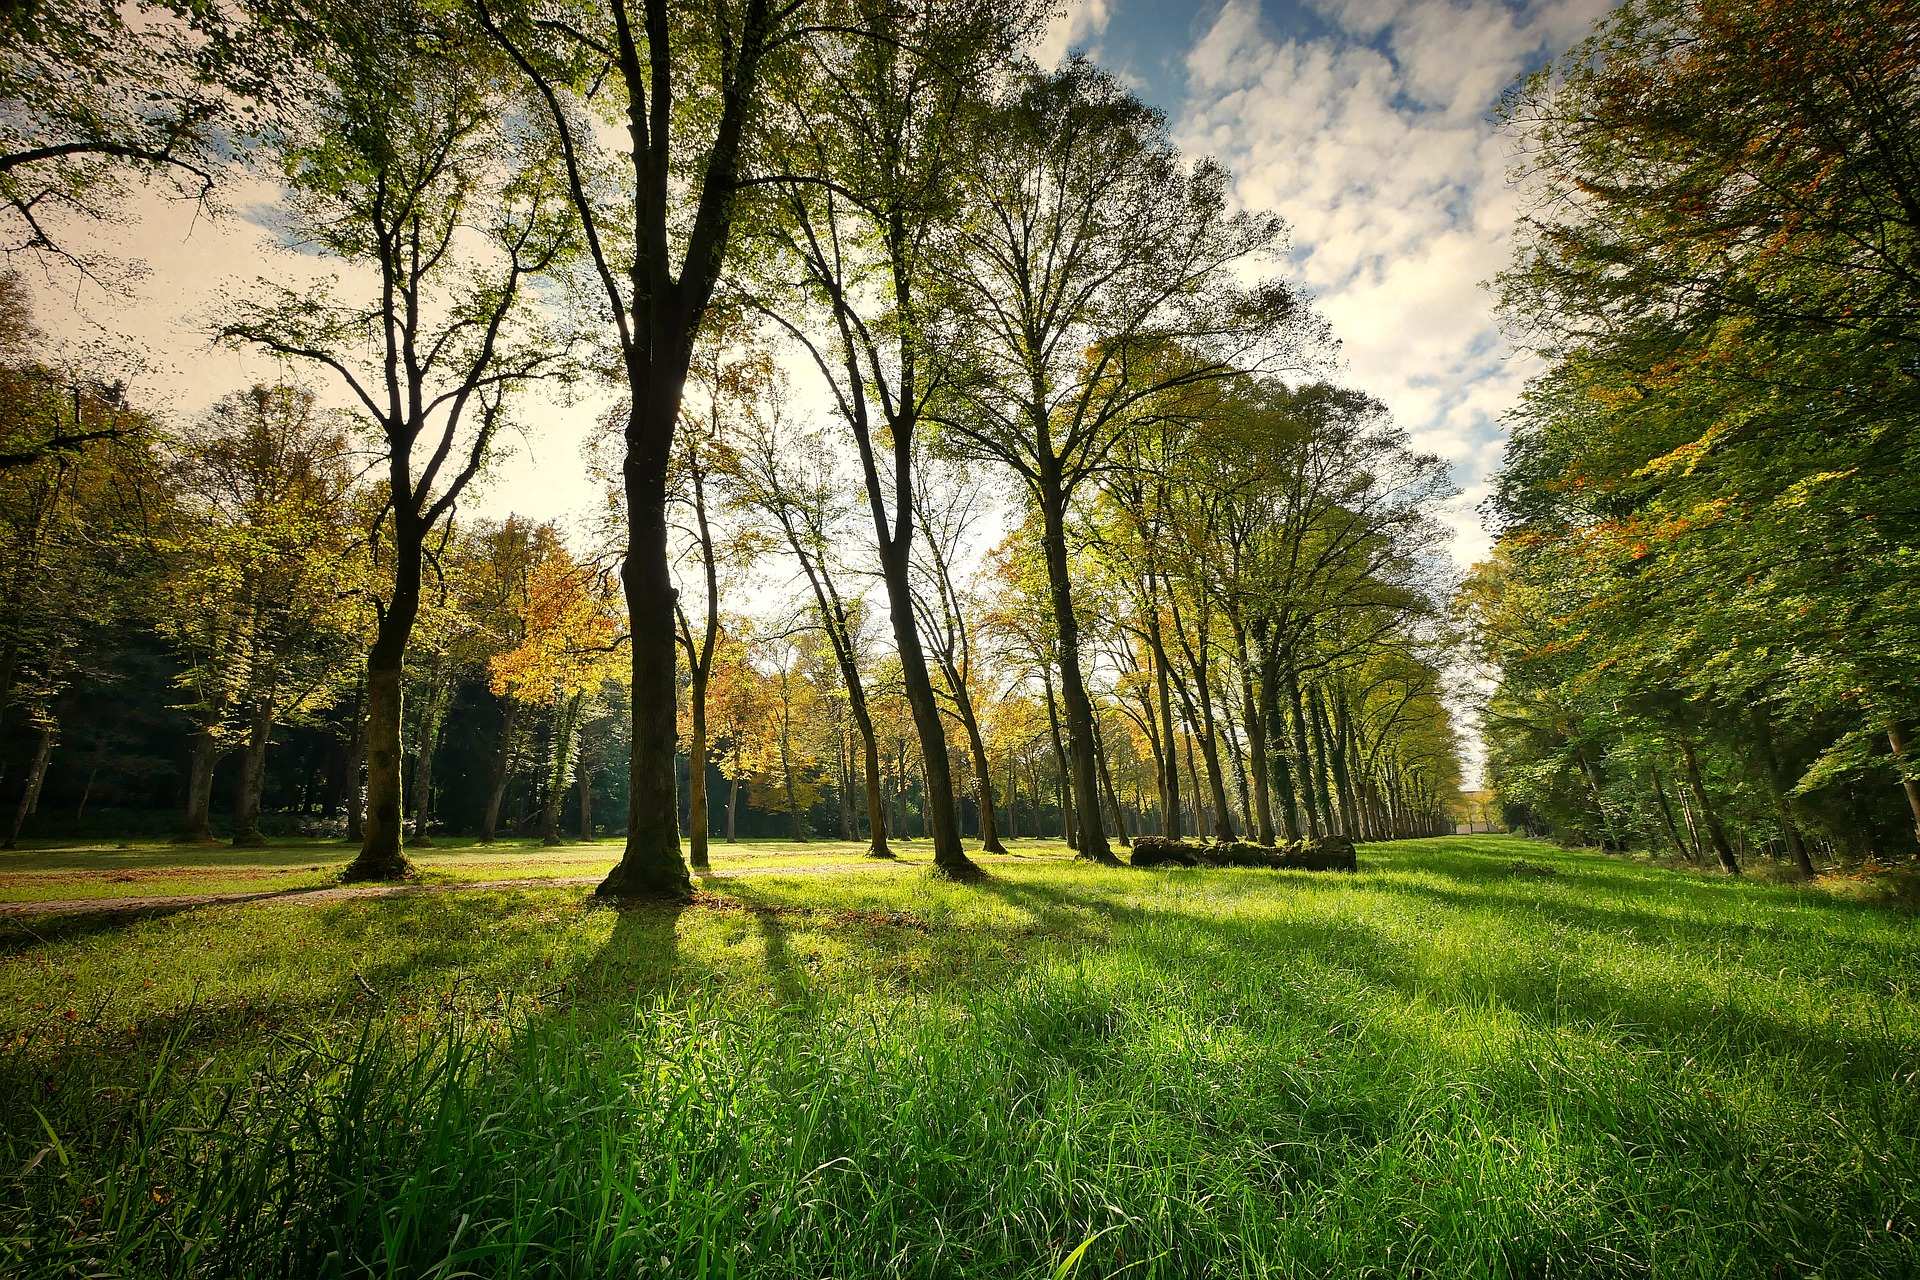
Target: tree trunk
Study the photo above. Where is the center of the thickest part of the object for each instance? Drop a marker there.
(1253, 711)
(651, 866)
(949, 858)
(1897, 741)
(30, 785)
(511, 715)
(1106, 788)
(877, 846)
(197, 827)
(1666, 816)
(565, 724)
(1715, 832)
(380, 857)
(1303, 761)
(982, 774)
(1092, 841)
(251, 779)
(697, 817)
(585, 785)
(1062, 791)
(1780, 791)
(432, 715)
(733, 806)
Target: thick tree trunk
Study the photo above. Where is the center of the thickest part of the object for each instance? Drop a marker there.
(380, 857)
(1092, 841)
(697, 818)
(1063, 793)
(1274, 735)
(1897, 741)
(251, 779)
(1715, 832)
(197, 825)
(1168, 758)
(651, 865)
(511, 715)
(949, 858)
(1254, 712)
(30, 785)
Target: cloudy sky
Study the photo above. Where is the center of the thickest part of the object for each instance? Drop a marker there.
(1364, 123)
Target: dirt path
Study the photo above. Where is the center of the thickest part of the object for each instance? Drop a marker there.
(319, 895)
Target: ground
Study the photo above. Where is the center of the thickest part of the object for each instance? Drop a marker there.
(1477, 1056)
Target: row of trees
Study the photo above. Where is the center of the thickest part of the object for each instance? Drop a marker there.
(987, 269)
(1700, 612)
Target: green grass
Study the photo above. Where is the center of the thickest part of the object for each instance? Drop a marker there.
(1438, 1067)
(58, 871)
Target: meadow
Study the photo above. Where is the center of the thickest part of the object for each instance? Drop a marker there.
(1477, 1056)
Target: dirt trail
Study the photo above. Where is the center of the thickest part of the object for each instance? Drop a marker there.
(318, 895)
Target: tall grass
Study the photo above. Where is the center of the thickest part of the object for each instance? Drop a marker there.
(1430, 1069)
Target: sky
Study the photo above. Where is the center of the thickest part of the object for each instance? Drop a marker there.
(1365, 124)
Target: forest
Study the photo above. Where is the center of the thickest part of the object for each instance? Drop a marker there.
(1010, 765)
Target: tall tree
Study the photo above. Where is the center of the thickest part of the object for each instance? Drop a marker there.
(692, 81)
(1098, 273)
(409, 169)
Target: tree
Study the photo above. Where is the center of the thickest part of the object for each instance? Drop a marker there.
(409, 169)
(1097, 275)
(792, 478)
(93, 93)
(948, 501)
(883, 124)
(693, 81)
(257, 592)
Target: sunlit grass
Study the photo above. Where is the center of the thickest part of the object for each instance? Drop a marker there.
(1444, 1065)
(76, 871)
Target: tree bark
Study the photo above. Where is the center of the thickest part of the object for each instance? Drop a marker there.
(982, 773)
(1778, 788)
(380, 857)
(1715, 832)
(1897, 741)
(697, 816)
(30, 785)
(650, 866)
(511, 715)
(251, 779)
(949, 858)
(197, 826)
(1304, 779)
(1092, 840)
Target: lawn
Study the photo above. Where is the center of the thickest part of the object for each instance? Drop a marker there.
(1478, 1056)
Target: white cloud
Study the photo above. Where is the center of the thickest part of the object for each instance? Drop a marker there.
(1375, 143)
(1074, 28)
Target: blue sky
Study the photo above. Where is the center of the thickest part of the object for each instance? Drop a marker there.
(1367, 125)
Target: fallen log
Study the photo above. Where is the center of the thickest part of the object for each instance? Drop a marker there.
(1329, 853)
